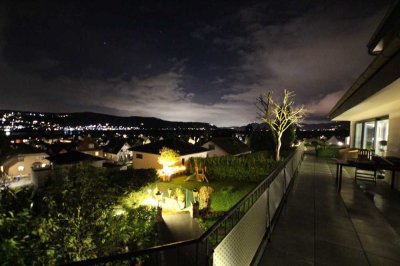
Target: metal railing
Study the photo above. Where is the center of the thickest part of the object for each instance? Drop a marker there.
(269, 194)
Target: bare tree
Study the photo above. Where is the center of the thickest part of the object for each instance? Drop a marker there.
(279, 117)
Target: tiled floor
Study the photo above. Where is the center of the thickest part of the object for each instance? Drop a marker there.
(320, 227)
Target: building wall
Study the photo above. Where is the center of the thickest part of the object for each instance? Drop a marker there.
(394, 134)
(40, 176)
(26, 162)
(394, 144)
(194, 155)
(111, 156)
(216, 152)
(148, 160)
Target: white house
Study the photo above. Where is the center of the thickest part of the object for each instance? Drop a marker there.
(21, 165)
(118, 152)
(146, 156)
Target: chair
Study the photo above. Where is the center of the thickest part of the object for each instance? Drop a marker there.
(366, 169)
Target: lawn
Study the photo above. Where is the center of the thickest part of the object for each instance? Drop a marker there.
(226, 194)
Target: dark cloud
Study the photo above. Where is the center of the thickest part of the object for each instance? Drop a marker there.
(181, 61)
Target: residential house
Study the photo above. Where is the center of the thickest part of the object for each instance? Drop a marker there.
(146, 156)
(89, 146)
(334, 141)
(226, 146)
(118, 152)
(21, 165)
(372, 103)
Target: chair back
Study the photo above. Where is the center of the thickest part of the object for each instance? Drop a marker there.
(365, 154)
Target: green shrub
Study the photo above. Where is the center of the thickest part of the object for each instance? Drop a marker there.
(205, 195)
(327, 152)
(74, 217)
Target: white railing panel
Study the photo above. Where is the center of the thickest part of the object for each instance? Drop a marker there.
(240, 245)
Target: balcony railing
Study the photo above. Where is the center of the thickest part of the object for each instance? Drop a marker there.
(235, 239)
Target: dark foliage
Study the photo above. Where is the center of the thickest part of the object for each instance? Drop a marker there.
(75, 217)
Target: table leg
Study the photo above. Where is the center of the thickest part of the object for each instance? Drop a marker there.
(337, 173)
(340, 178)
(393, 176)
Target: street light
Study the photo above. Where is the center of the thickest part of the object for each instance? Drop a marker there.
(158, 198)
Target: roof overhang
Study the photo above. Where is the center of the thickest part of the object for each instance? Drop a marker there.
(380, 104)
(378, 77)
(386, 29)
(384, 70)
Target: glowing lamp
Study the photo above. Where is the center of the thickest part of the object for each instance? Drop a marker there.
(195, 195)
(158, 198)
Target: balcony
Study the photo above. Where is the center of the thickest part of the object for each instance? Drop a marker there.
(318, 226)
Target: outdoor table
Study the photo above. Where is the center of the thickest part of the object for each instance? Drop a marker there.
(378, 163)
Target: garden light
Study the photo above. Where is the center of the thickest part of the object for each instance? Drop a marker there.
(195, 195)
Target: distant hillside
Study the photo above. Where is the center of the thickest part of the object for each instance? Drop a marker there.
(89, 118)
(306, 127)
(341, 125)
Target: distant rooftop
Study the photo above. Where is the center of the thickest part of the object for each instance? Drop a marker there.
(72, 157)
(232, 146)
(178, 145)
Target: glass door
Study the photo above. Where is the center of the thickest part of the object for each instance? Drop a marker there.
(358, 136)
(382, 132)
(369, 135)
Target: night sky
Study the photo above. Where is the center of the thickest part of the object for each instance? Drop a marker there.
(202, 61)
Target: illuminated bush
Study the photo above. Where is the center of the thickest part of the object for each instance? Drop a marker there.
(205, 195)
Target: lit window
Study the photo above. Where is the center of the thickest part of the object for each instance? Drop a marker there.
(139, 156)
(20, 168)
(96, 153)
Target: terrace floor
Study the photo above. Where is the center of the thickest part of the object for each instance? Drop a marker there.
(318, 226)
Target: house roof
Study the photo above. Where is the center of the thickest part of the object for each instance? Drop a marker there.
(58, 147)
(18, 149)
(383, 70)
(72, 157)
(183, 148)
(85, 145)
(115, 147)
(333, 140)
(232, 146)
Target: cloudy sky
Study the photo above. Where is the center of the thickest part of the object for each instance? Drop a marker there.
(202, 61)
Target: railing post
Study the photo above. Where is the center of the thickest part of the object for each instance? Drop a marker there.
(268, 215)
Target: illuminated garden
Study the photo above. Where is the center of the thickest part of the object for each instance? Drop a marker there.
(87, 212)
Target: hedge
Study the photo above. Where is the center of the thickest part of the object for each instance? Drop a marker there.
(327, 151)
(248, 168)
